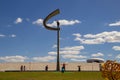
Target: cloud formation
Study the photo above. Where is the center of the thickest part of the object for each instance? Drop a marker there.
(97, 55)
(115, 24)
(68, 22)
(64, 22)
(118, 56)
(54, 46)
(54, 24)
(38, 22)
(2, 35)
(73, 56)
(68, 50)
(71, 52)
(116, 48)
(19, 58)
(73, 48)
(44, 59)
(16, 58)
(100, 38)
(12, 35)
(18, 20)
(78, 60)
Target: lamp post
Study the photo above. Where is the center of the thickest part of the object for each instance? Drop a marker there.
(58, 33)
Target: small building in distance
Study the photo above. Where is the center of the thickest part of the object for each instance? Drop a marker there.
(95, 60)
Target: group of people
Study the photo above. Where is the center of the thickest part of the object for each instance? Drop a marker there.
(62, 70)
(22, 68)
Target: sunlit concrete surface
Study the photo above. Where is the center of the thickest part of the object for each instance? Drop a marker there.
(40, 66)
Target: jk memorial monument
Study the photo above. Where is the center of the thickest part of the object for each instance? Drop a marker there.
(58, 33)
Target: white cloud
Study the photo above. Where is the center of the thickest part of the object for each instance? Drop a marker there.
(100, 38)
(44, 59)
(115, 24)
(12, 36)
(38, 22)
(54, 24)
(77, 35)
(64, 52)
(68, 50)
(52, 53)
(92, 41)
(74, 48)
(78, 60)
(18, 20)
(1, 35)
(16, 58)
(97, 55)
(70, 56)
(64, 22)
(116, 48)
(68, 22)
(118, 56)
(54, 46)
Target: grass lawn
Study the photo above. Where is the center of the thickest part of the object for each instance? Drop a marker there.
(50, 76)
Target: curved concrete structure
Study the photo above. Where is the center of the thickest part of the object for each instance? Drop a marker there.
(95, 60)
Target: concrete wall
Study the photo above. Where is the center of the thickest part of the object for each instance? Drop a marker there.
(52, 66)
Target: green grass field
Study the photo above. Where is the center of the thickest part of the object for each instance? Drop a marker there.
(50, 76)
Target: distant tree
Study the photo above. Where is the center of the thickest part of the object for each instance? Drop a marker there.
(111, 70)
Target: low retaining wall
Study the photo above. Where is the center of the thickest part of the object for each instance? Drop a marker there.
(40, 66)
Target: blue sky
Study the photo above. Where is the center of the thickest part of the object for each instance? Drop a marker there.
(89, 29)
